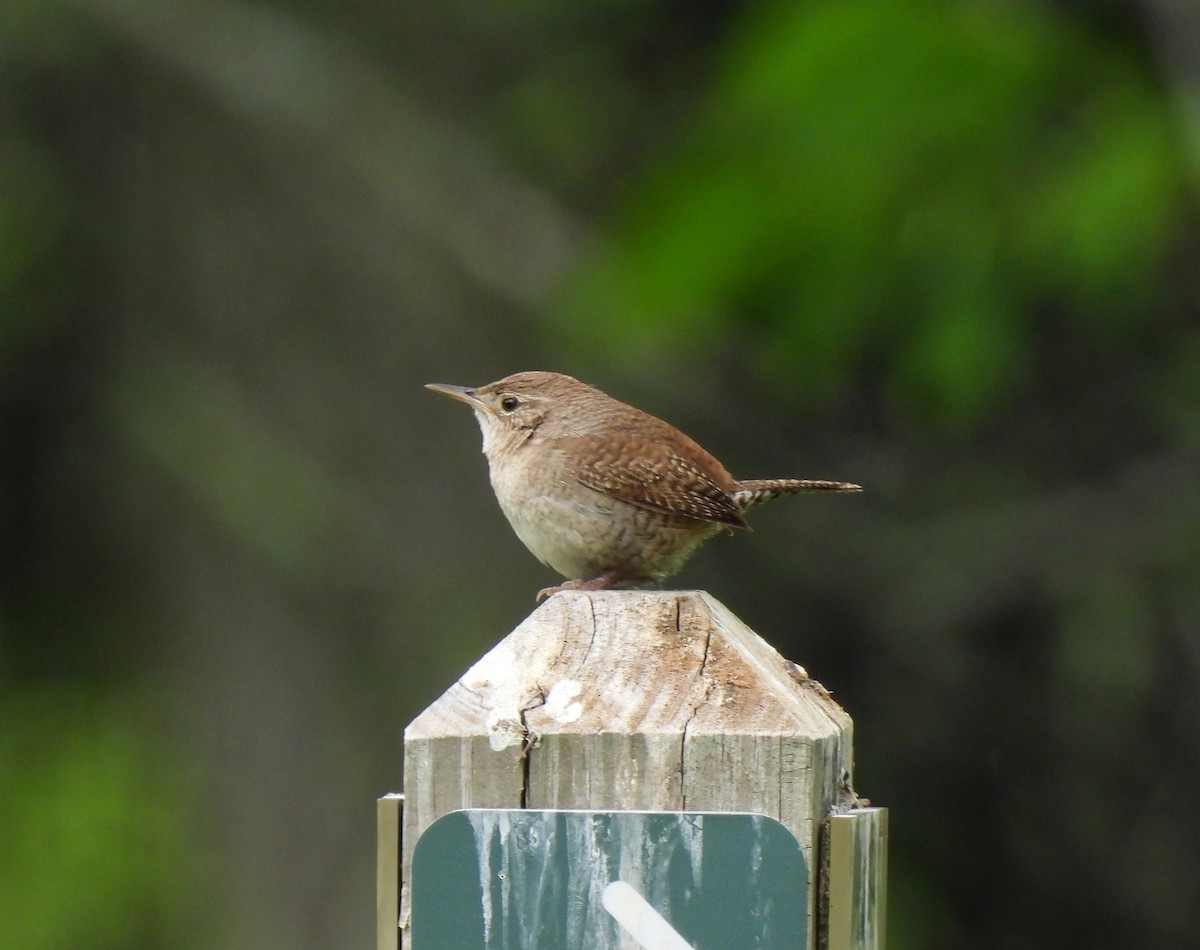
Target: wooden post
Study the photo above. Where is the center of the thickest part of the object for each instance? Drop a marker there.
(855, 880)
(631, 701)
(388, 811)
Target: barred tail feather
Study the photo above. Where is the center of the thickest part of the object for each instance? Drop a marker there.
(754, 491)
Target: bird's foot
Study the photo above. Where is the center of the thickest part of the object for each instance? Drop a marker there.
(609, 580)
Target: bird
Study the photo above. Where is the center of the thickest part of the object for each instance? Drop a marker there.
(605, 494)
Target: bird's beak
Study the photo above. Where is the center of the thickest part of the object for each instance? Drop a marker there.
(461, 393)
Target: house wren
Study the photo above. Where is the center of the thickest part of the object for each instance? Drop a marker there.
(600, 491)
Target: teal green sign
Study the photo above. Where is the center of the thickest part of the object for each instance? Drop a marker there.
(559, 880)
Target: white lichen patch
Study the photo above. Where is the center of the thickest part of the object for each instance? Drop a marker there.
(562, 703)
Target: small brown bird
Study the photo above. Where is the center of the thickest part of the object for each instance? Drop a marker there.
(600, 491)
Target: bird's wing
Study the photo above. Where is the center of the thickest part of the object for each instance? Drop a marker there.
(656, 474)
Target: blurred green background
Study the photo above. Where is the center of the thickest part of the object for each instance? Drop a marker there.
(945, 249)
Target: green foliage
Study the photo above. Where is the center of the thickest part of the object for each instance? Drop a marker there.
(896, 188)
(97, 850)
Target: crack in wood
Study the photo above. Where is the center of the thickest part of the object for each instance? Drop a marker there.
(708, 689)
(527, 746)
(592, 639)
(704, 662)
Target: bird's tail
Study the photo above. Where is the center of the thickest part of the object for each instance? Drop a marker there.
(754, 491)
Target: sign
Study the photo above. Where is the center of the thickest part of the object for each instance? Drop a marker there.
(586, 880)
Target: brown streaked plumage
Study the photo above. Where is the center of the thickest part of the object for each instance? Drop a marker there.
(607, 495)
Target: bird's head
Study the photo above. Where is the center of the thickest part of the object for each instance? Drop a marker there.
(510, 410)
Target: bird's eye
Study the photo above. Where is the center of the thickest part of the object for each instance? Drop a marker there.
(509, 403)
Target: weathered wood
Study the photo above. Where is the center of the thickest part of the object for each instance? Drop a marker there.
(857, 880)
(387, 871)
(627, 700)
